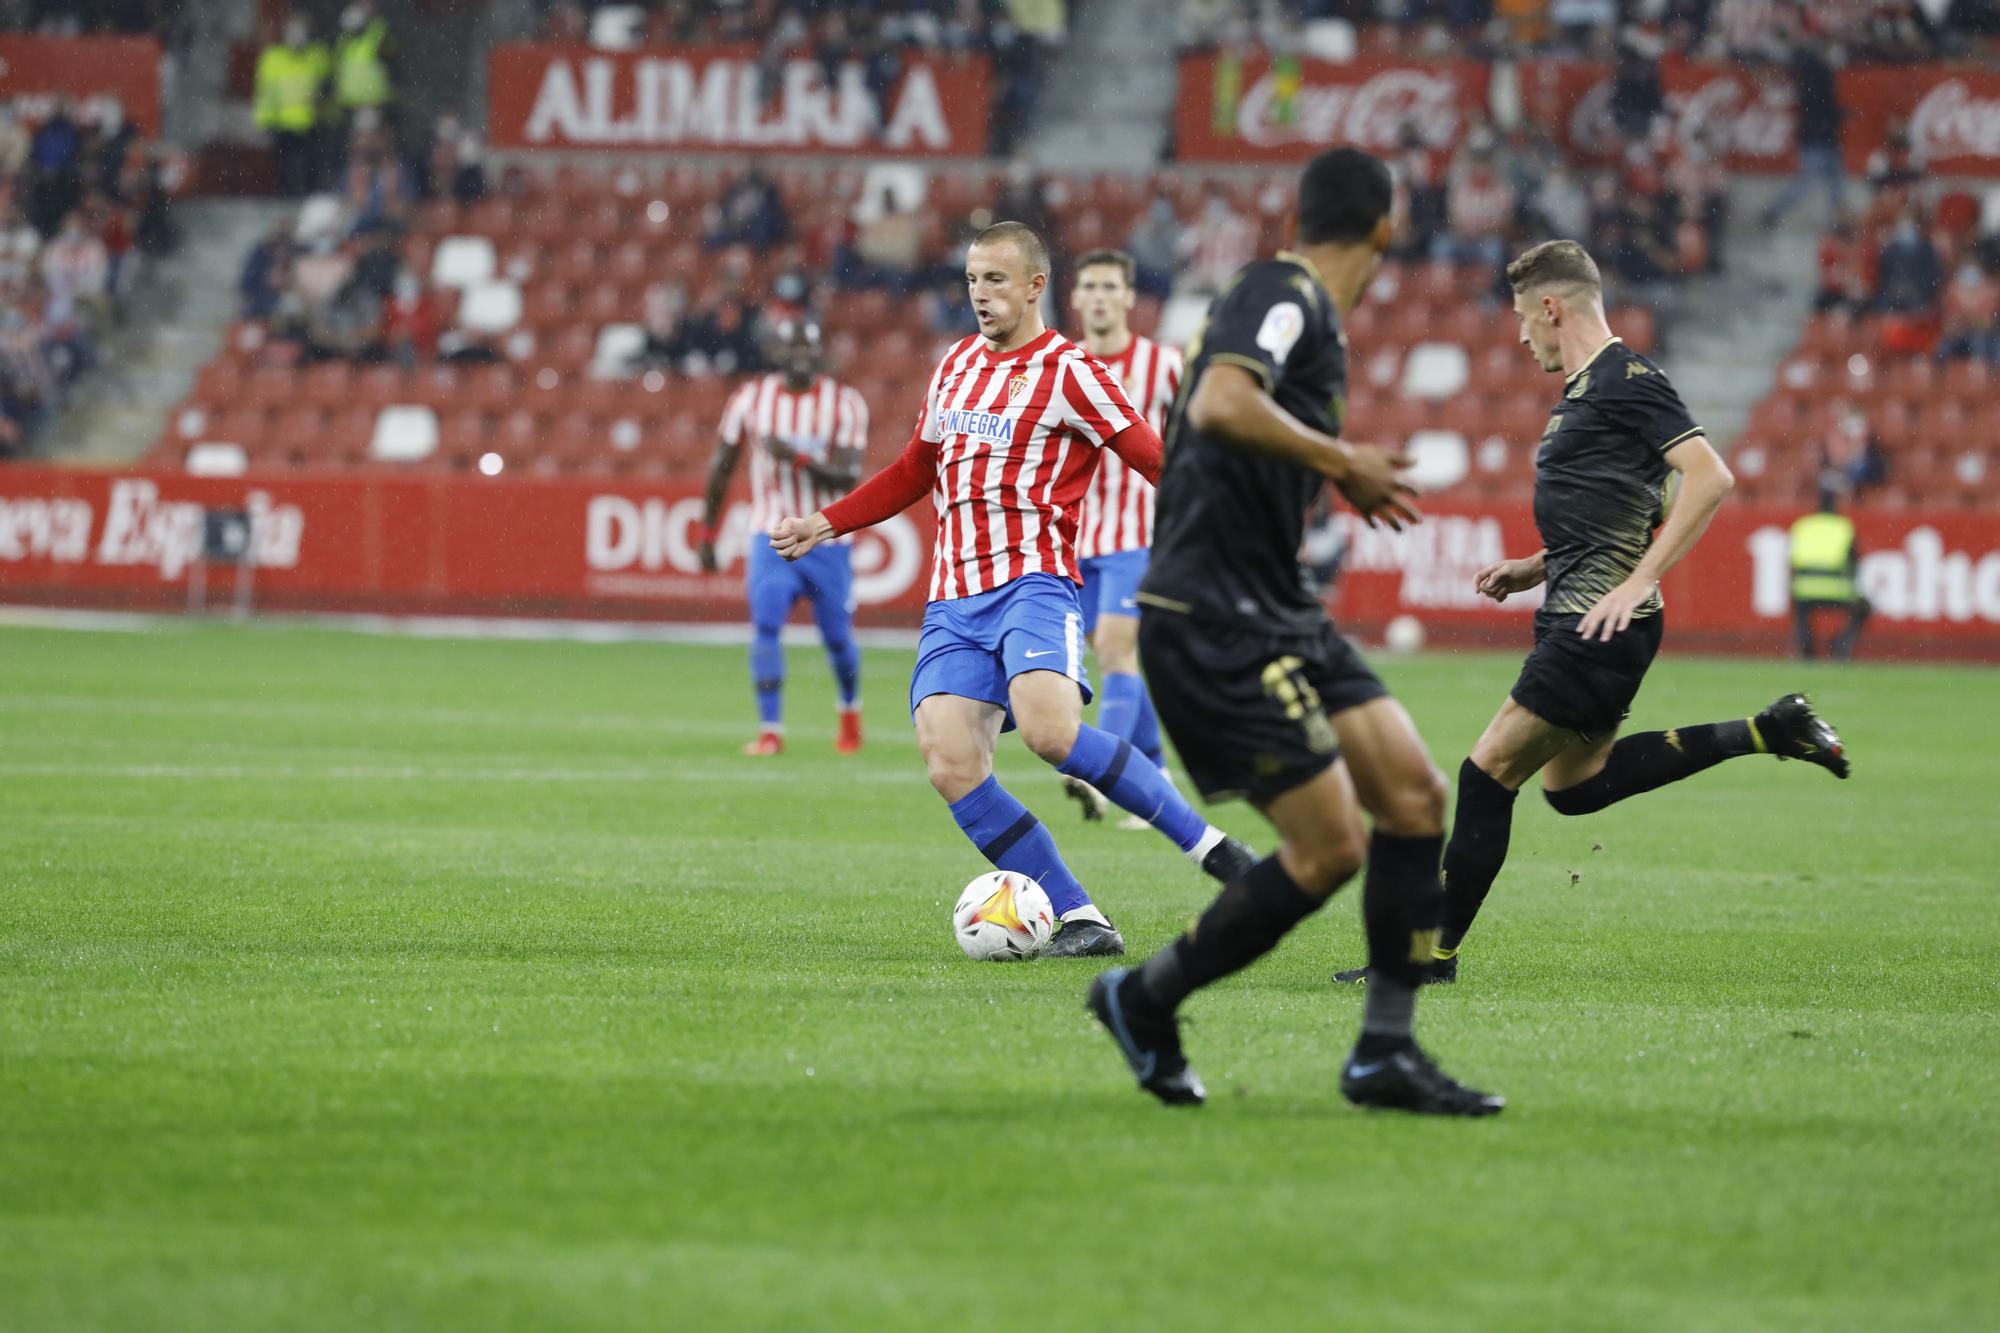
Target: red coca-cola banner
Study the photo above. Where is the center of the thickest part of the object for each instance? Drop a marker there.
(385, 543)
(1259, 110)
(541, 95)
(1748, 114)
(444, 545)
(1952, 112)
(91, 71)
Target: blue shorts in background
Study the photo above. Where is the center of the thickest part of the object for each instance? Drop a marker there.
(972, 646)
(824, 574)
(1111, 585)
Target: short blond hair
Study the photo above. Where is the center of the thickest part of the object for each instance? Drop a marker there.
(1034, 250)
(1563, 264)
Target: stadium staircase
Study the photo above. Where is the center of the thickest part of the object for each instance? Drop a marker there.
(1732, 330)
(1107, 101)
(175, 320)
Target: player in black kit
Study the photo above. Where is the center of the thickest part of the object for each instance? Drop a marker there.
(1262, 697)
(1617, 435)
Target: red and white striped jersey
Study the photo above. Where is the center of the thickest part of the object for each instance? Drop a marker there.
(1118, 507)
(826, 417)
(1018, 438)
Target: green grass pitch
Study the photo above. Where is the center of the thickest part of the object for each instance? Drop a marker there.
(387, 983)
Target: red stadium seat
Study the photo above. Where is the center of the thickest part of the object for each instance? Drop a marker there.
(577, 263)
(1969, 379)
(302, 426)
(1910, 379)
(349, 430)
(1833, 336)
(630, 262)
(494, 217)
(439, 217)
(570, 351)
(491, 388)
(328, 384)
(610, 303)
(701, 400)
(548, 302)
(463, 433)
(1635, 324)
(274, 385)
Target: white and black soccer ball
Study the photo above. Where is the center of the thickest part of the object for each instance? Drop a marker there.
(1003, 917)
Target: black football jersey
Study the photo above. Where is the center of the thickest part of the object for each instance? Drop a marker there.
(1228, 521)
(1601, 474)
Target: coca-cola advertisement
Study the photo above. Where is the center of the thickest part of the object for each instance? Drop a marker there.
(1952, 114)
(1747, 115)
(627, 550)
(541, 95)
(1256, 109)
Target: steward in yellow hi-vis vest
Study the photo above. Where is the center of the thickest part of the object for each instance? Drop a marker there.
(291, 76)
(360, 65)
(1823, 577)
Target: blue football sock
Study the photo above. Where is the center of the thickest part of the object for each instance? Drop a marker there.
(767, 674)
(1013, 839)
(1134, 784)
(1145, 737)
(1118, 704)
(845, 655)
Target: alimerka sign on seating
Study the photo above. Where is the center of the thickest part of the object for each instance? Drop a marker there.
(627, 550)
(552, 96)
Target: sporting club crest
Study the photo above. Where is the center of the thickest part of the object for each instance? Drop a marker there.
(1016, 387)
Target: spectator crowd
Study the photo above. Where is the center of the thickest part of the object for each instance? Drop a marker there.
(1737, 30)
(83, 201)
(169, 20)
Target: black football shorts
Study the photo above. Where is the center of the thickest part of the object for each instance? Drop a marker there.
(1585, 686)
(1248, 711)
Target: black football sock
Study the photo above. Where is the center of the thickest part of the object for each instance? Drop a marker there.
(1401, 902)
(1482, 821)
(1652, 759)
(1246, 920)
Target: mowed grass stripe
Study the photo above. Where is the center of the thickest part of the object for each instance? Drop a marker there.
(289, 1043)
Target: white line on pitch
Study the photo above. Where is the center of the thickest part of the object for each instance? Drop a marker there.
(761, 773)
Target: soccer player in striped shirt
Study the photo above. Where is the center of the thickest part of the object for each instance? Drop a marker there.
(1117, 523)
(1012, 429)
(806, 434)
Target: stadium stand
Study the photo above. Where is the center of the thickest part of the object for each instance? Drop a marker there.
(85, 201)
(1888, 394)
(425, 310)
(564, 351)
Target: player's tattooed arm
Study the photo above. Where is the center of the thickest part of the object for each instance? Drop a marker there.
(721, 467)
(1705, 480)
(1503, 578)
(1230, 403)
